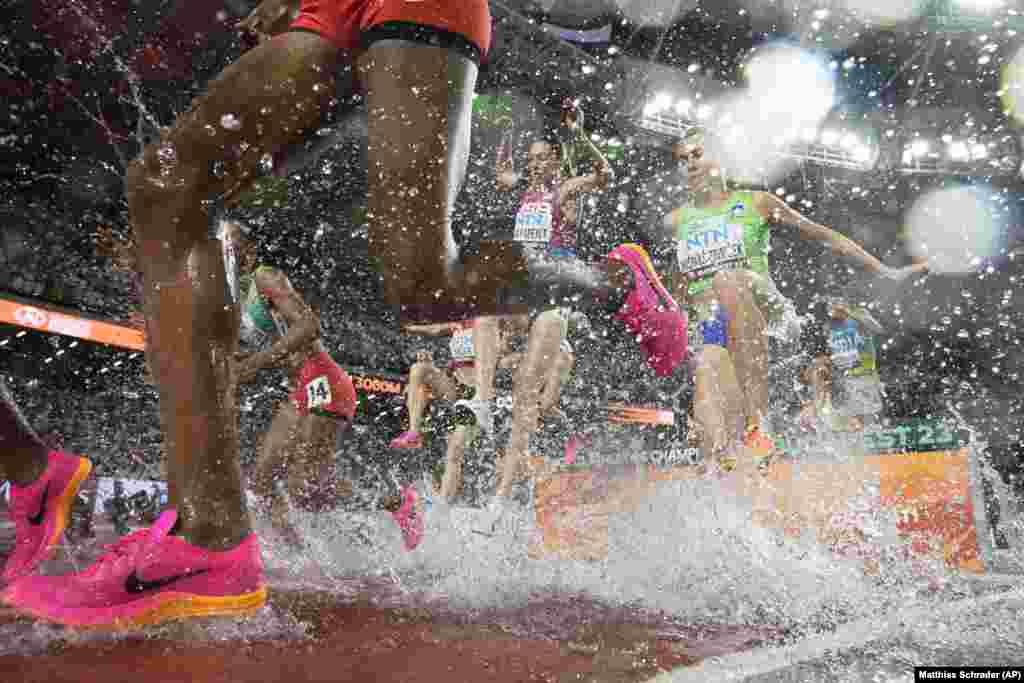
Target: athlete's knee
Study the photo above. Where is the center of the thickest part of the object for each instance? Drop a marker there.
(419, 371)
(726, 282)
(550, 319)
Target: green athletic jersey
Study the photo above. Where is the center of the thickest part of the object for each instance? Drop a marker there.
(732, 236)
(260, 323)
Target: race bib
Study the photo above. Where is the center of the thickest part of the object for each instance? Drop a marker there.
(461, 345)
(711, 250)
(846, 346)
(533, 222)
(318, 392)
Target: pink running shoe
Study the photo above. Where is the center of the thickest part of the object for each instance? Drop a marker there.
(408, 440)
(651, 314)
(409, 519)
(147, 578)
(41, 511)
(572, 447)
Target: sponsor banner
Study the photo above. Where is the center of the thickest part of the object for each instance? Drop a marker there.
(46, 319)
(916, 435)
(919, 501)
(369, 384)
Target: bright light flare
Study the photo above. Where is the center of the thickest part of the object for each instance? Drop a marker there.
(953, 228)
(958, 151)
(787, 79)
(790, 92)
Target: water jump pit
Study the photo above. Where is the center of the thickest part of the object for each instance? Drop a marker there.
(615, 574)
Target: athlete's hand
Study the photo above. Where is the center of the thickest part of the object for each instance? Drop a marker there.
(270, 18)
(901, 274)
(572, 115)
(247, 365)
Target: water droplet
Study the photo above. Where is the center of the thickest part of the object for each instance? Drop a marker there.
(230, 122)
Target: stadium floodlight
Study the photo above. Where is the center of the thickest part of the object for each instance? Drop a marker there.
(829, 137)
(958, 151)
(959, 156)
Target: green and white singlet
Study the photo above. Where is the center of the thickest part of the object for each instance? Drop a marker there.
(730, 236)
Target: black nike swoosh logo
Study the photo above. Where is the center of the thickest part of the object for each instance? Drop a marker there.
(38, 518)
(133, 584)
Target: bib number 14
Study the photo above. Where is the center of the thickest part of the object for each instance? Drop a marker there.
(318, 392)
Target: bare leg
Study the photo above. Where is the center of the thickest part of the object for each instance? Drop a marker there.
(487, 344)
(268, 99)
(541, 351)
(279, 441)
(458, 442)
(552, 395)
(424, 375)
(748, 340)
(420, 110)
(312, 456)
(717, 401)
(23, 457)
(428, 376)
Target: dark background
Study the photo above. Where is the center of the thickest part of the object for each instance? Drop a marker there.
(84, 83)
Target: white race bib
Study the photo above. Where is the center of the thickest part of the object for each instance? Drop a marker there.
(461, 345)
(533, 222)
(712, 250)
(318, 392)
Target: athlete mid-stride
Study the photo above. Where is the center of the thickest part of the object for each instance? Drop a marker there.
(546, 225)
(722, 275)
(417, 64)
(427, 381)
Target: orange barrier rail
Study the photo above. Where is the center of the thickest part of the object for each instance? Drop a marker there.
(46, 319)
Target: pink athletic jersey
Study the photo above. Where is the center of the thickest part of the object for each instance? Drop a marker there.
(539, 222)
(651, 314)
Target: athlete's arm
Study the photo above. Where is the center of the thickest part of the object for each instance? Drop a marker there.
(432, 330)
(779, 212)
(599, 180)
(505, 174)
(303, 324)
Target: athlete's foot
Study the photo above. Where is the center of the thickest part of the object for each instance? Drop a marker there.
(409, 518)
(41, 511)
(407, 440)
(148, 578)
(482, 410)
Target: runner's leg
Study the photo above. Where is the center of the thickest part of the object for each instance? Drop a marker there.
(556, 379)
(717, 401)
(487, 344)
(420, 102)
(458, 442)
(279, 443)
(542, 349)
(311, 460)
(426, 376)
(269, 98)
(23, 456)
(747, 339)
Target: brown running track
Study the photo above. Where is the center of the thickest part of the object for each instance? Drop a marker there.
(359, 632)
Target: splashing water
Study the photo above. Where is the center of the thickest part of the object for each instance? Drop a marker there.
(691, 549)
